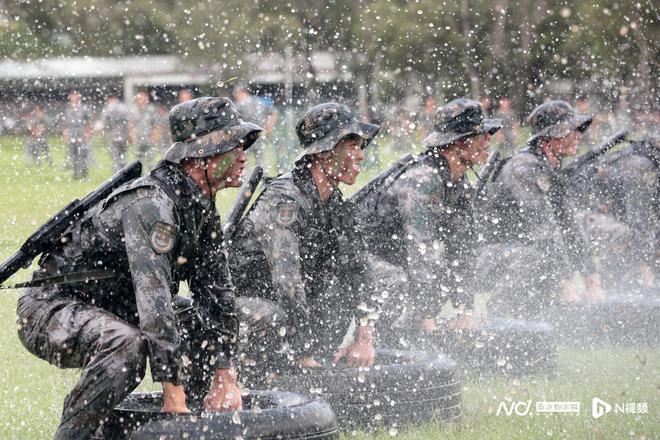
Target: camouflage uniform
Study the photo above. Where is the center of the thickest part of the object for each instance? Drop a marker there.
(115, 122)
(418, 224)
(296, 260)
(77, 120)
(532, 237)
(149, 235)
(625, 187)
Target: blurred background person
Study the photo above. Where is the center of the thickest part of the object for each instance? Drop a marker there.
(144, 128)
(509, 136)
(258, 111)
(77, 133)
(36, 145)
(185, 95)
(426, 115)
(115, 117)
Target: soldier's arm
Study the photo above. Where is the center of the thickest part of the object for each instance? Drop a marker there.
(213, 291)
(419, 201)
(530, 187)
(459, 249)
(277, 222)
(640, 179)
(149, 230)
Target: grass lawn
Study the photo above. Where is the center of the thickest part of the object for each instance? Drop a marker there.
(32, 391)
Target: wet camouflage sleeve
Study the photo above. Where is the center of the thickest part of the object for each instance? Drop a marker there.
(354, 268)
(213, 292)
(420, 196)
(278, 224)
(152, 279)
(639, 181)
(460, 241)
(530, 186)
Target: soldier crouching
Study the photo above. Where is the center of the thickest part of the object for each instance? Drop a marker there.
(130, 251)
(297, 261)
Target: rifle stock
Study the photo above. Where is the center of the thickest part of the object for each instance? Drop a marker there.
(378, 181)
(574, 168)
(53, 229)
(242, 201)
(484, 174)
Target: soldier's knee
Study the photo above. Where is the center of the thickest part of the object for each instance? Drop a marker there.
(127, 343)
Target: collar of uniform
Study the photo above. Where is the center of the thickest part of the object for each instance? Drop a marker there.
(542, 159)
(438, 161)
(302, 177)
(182, 183)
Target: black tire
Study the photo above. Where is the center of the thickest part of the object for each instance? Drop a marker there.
(402, 388)
(266, 415)
(501, 347)
(620, 319)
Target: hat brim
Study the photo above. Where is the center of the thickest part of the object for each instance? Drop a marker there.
(492, 125)
(247, 134)
(363, 129)
(242, 135)
(439, 139)
(579, 123)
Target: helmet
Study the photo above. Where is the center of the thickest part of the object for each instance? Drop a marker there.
(458, 119)
(324, 125)
(556, 119)
(208, 126)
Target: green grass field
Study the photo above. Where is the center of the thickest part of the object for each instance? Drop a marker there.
(32, 391)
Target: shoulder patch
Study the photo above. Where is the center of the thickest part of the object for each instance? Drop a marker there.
(162, 237)
(285, 214)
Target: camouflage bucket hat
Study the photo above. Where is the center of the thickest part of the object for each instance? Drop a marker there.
(459, 119)
(324, 125)
(556, 119)
(208, 126)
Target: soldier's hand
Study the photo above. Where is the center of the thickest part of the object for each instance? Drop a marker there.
(594, 289)
(224, 394)
(428, 324)
(569, 292)
(361, 352)
(462, 322)
(646, 275)
(174, 398)
(308, 362)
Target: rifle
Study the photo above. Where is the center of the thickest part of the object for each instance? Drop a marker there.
(574, 167)
(50, 232)
(484, 174)
(378, 181)
(242, 201)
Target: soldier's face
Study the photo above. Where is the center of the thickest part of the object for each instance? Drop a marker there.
(225, 169)
(567, 146)
(344, 162)
(476, 149)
